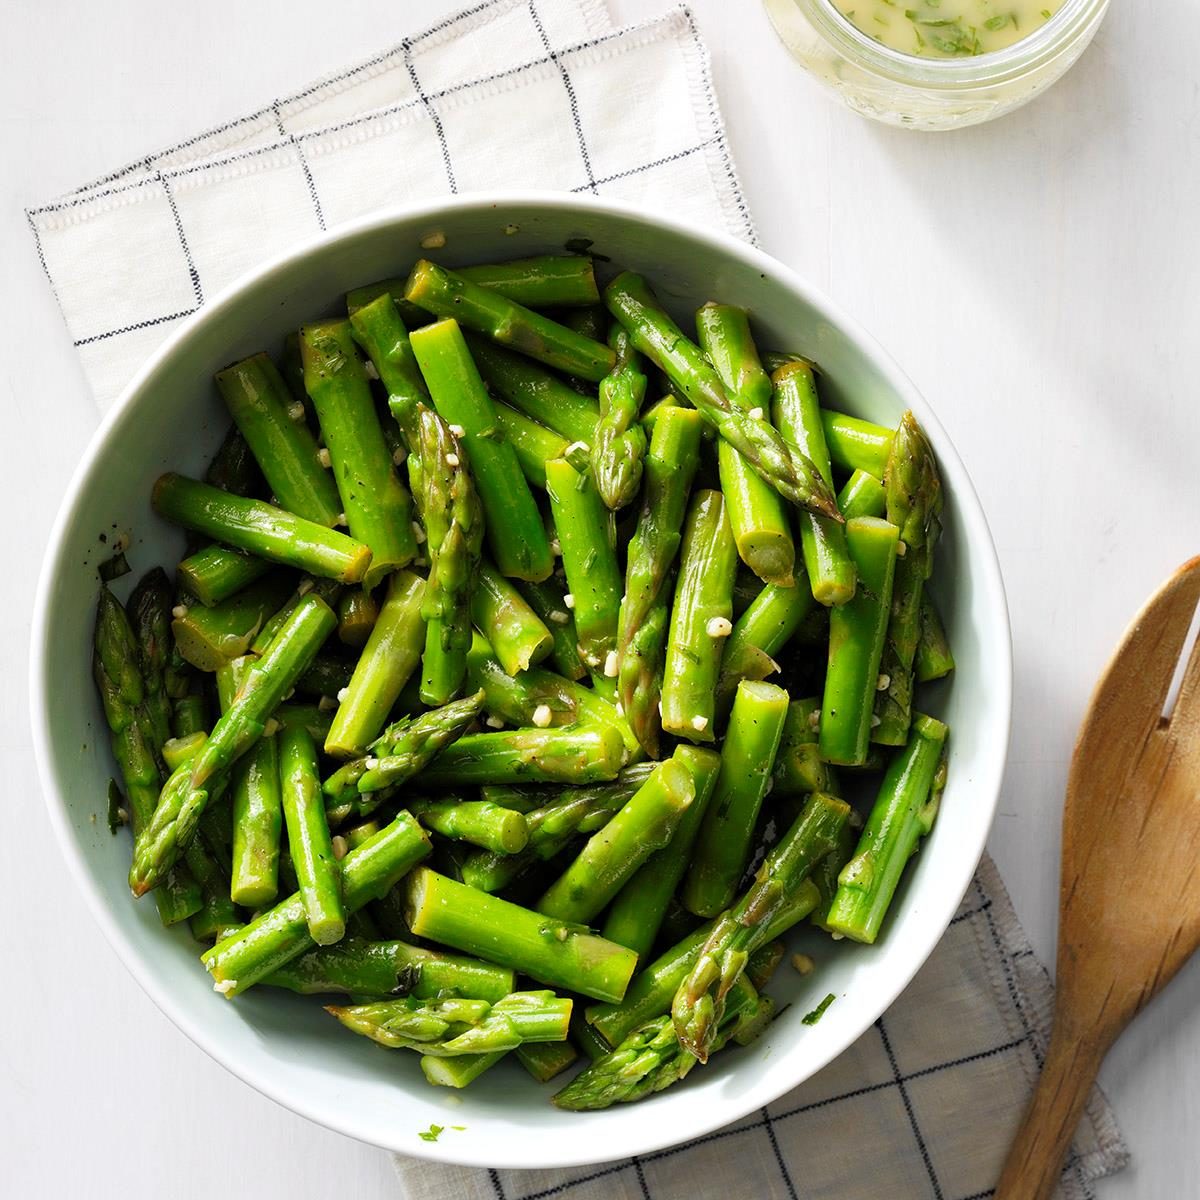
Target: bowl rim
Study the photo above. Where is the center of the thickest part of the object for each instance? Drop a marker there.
(986, 792)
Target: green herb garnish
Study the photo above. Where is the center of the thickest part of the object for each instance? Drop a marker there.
(817, 1013)
(434, 1131)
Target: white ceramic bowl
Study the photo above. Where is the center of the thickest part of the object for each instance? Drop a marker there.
(284, 1045)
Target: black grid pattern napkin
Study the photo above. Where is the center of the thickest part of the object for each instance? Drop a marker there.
(924, 1104)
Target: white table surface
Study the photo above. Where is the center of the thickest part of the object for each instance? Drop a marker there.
(1037, 278)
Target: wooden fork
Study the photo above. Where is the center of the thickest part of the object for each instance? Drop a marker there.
(1129, 897)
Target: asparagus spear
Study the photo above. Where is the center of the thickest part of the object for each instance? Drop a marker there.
(217, 913)
(573, 754)
(380, 331)
(636, 914)
(261, 529)
(631, 301)
(403, 750)
(611, 856)
(699, 620)
(553, 952)
(723, 848)
(766, 626)
(357, 613)
(214, 573)
(590, 562)
(670, 464)
(651, 991)
(233, 468)
(533, 697)
(282, 444)
(619, 443)
(149, 609)
(281, 934)
(576, 811)
(547, 600)
(798, 766)
(210, 638)
(509, 624)
(257, 824)
(855, 444)
(536, 392)
(327, 675)
(453, 517)
(756, 511)
(514, 529)
(934, 658)
(309, 843)
(797, 413)
(914, 505)
(447, 294)
(353, 967)
(377, 508)
(390, 656)
(480, 822)
(544, 281)
(533, 444)
(862, 496)
(901, 816)
(856, 635)
(186, 793)
(545, 1060)
(699, 1004)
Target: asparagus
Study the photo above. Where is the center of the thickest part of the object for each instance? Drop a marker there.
(856, 635)
(619, 443)
(328, 591)
(545, 1060)
(380, 331)
(377, 508)
(899, 818)
(855, 444)
(327, 675)
(509, 624)
(359, 297)
(185, 794)
(514, 529)
(636, 914)
(651, 991)
(699, 1004)
(309, 843)
(278, 936)
(533, 444)
(547, 600)
(631, 301)
(233, 468)
(670, 464)
(914, 505)
(934, 658)
(353, 967)
(862, 496)
(766, 626)
(282, 444)
(403, 750)
(612, 855)
(536, 393)
(798, 766)
(215, 572)
(572, 754)
(357, 613)
(590, 562)
(458, 1072)
(447, 294)
(149, 609)
(480, 822)
(747, 757)
(553, 952)
(189, 714)
(210, 638)
(390, 656)
(533, 697)
(826, 873)
(797, 413)
(260, 529)
(756, 511)
(651, 1058)
(543, 281)
(699, 620)
(578, 810)
(257, 824)
(217, 913)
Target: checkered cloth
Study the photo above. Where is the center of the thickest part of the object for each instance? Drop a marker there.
(925, 1103)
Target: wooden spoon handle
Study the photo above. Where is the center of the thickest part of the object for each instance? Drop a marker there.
(1034, 1163)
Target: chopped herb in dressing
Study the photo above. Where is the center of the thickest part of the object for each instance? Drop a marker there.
(432, 1133)
(817, 1013)
(947, 28)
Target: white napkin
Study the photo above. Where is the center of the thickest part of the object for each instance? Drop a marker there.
(522, 93)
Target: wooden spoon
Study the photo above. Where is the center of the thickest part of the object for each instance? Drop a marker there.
(1129, 898)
